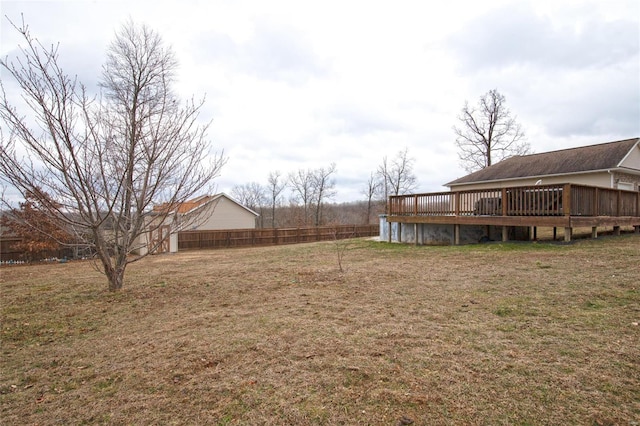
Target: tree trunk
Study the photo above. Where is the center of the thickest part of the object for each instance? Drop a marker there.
(116, 278)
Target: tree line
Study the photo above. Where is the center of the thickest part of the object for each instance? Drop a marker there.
(304, 197)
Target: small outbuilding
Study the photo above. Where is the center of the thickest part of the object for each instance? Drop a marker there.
(204, 213)
(213, 212)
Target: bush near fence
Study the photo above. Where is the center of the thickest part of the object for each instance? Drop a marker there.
(191, 240)
(8, 253)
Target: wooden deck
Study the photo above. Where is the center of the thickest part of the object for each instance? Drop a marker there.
(562, 205)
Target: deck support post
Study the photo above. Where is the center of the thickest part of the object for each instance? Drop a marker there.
(594, 232)
(399, 232)
(505, 233)
(567, 234)
(415, 233)
(390, 229)
(616, 231)
(637, 229)
(456, 234)
(533, 233)
(555, 233)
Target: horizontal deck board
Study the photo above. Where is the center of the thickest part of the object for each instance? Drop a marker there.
(557, 221)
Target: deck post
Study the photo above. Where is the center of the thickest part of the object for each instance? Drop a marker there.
(566, 207)
(555, 233)
(390, 229)
(504, 202)
(616, 231)
(594, 232)
(399, 232)
(415, 233)
(505, 233)
(456, 234)
(567, 234)
(566, 199)
(637, 229)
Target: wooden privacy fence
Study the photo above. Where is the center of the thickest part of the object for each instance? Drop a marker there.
(190, 240)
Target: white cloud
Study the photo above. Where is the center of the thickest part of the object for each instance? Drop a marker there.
(569, 70)
(517, 35)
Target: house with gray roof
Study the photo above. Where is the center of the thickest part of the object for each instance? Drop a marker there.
(610, 165)
(590, 186)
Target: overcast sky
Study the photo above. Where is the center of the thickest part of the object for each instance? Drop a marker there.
(302, 84)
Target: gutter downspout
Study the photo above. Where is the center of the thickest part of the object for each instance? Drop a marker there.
(611, 182)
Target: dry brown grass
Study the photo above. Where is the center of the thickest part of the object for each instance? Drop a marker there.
(532, 333)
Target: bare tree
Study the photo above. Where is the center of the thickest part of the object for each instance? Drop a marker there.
(302, 185)
(275, 188)
(401, 178)
(383, 182)
(488, 133)
(251, 195)
(372, 187)
(323, 188)
(397, 177)
(106, 162)
(342, 242)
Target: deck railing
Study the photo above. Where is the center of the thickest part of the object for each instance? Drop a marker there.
(538, 200)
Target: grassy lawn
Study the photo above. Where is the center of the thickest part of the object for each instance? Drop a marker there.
(516, 333)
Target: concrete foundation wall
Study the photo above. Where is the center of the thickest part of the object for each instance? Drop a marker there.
(436, 234)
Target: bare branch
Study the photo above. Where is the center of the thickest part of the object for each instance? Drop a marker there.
(488, 133)
(106, 162)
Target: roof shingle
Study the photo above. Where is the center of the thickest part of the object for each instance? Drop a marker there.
(573, 160)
